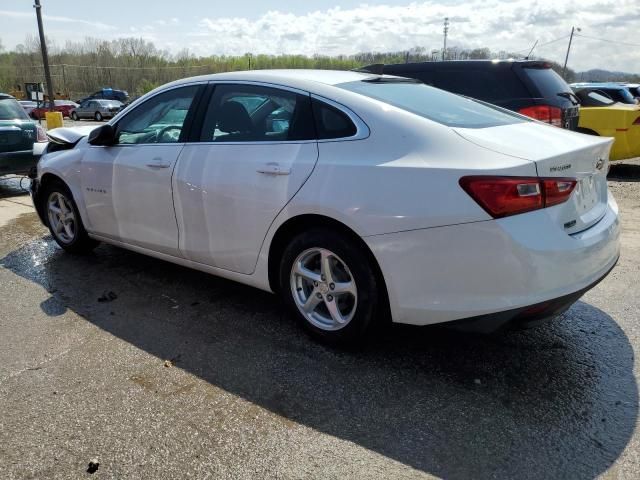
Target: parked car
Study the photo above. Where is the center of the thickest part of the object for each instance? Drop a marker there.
(108, 94)
(63, 106)
(531, 88)
(601, 115)
(370, 194)
(17, 136)
(96, 109)
(28, 106)
(617, 92)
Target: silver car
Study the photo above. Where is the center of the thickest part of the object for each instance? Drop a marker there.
(96, 109)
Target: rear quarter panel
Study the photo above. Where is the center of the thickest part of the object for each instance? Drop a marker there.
(617, 122)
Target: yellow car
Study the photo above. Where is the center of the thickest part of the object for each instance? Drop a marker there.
(599, 115)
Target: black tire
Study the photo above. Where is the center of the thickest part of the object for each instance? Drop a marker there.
(74, 116)
(587, 131)
(98, 117)
(367, 285)
(81, 243)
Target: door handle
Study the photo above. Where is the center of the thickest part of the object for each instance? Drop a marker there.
(158, 163)
(273, 168)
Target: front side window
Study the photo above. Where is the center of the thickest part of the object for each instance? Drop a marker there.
(251, 113)
(437, 105)
(158, 120)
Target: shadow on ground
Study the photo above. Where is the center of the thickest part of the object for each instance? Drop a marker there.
(624, 172)
(560, 401)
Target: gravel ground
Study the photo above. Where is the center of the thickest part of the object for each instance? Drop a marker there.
(156, 371)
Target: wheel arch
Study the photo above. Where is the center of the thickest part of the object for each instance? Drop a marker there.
(47, 179)
(300, 223)
(587, 131)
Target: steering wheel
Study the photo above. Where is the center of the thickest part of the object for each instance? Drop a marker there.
(160, 133)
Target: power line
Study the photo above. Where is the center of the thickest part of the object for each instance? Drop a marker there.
(543, 44)
(607, 40)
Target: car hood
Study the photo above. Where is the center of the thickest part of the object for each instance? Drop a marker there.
(70, 135)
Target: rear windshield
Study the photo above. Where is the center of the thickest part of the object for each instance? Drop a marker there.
(437, 105)
(547, 81)
(10, 109)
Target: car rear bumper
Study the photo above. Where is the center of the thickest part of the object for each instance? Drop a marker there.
(18, 163)
(500, 266)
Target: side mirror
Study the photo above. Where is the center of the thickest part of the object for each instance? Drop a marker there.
(104, 135)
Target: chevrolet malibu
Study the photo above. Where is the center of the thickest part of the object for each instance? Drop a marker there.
(356, 197)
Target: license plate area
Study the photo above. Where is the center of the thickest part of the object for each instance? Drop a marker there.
(586, 194)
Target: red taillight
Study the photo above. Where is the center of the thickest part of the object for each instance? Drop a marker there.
(505, 196)
(544, 113)
(42, 135)
(557, 190)
(637, 121)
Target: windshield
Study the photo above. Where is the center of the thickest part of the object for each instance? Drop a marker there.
(10, 109)
(434, 104)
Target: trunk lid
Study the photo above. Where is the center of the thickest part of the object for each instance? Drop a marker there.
(557, 153)
(16, 135)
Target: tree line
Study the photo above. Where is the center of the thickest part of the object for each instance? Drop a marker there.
(137, 65)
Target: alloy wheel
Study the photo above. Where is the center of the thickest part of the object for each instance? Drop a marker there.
(324, 289)
(62, 218)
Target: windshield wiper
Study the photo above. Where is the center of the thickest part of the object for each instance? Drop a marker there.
(571, 96)
(390, 80)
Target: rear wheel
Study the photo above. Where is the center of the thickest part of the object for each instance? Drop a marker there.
(98, 116)
(329, 284)
(74, 116)
(63, 219)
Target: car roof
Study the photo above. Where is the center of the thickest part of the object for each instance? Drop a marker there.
(308, 80)
(4, 96)
(496, 63)
(616, 86)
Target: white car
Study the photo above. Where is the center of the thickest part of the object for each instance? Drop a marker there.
(354, 196)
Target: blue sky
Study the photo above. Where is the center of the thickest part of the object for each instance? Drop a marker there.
(342, 26)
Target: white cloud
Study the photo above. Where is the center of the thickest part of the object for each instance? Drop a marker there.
(511, 26)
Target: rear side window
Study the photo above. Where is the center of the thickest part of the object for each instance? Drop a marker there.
(10, 109)
(437, 105)
(331, 123)
(548, 82)
(492, 85)
(252, 113)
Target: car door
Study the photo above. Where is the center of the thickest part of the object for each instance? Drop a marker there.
(255, 148)
(127, 186)
(83, 109)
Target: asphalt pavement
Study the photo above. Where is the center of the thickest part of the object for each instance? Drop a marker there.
(151, 370)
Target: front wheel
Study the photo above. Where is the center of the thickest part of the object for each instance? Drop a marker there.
(98, 117)
(74, 116)
(63, 219)
(329, 284)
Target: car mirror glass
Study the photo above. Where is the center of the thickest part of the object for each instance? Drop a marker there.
(104, 136)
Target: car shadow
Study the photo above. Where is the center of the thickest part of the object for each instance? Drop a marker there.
(624, 172)
(558, 401)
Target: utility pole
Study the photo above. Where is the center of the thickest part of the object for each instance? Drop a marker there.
(566, 59)
(45, 55)
(446, 32)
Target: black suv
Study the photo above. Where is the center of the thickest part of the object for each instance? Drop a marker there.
(528, 87)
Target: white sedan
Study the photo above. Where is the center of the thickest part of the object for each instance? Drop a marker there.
(357, 197)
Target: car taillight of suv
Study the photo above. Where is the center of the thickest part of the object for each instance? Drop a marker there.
(544, 113)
